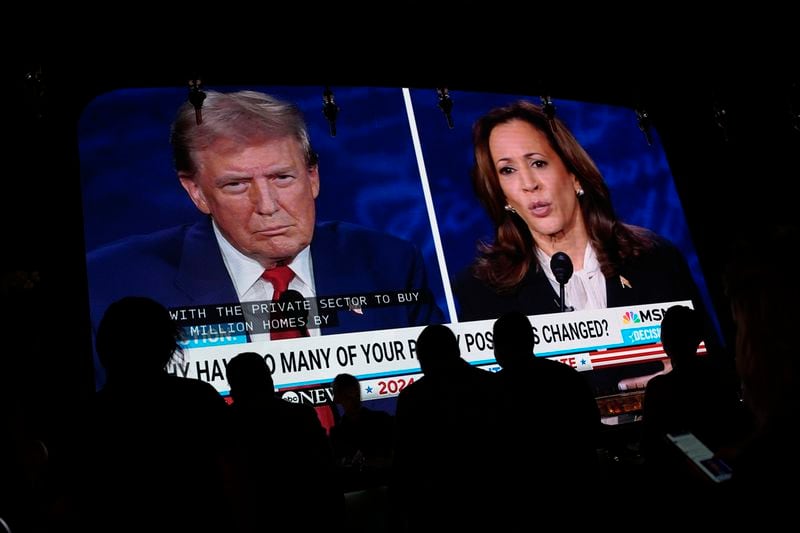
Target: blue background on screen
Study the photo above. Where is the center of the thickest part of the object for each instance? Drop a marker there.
(368, 172)
(638, 175)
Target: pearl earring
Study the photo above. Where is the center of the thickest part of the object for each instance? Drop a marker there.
(579, 193)
(510, 209)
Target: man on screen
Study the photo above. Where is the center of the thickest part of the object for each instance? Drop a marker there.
(250, 167)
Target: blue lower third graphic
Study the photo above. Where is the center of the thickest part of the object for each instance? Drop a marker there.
(642, 335)
(213, 335)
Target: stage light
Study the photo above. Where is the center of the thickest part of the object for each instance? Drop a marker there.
(721, 119)
(446, 105)
(330, 109)
(196, 98)
(549, 109)
(34, 92)
(643, 120)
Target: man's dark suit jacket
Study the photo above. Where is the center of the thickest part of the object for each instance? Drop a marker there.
(183, 266)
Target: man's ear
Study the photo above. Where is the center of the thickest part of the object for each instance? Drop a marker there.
(194, 191)
(313, 176)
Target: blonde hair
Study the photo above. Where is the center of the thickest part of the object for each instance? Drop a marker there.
(241, 117)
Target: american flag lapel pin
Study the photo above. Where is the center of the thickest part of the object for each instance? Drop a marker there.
(624, 282)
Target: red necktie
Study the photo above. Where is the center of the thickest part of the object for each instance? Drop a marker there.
(280, 276)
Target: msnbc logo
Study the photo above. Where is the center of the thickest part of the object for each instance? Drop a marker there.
(631, 318)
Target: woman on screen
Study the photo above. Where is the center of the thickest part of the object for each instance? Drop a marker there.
(545, 195)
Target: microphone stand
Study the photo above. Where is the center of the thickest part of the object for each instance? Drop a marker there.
(561, 265)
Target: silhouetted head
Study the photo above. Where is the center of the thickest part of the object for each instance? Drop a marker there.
(681, 333)
(761, 284)
(347, 391)
(437, 349)
(513, 339)
(249, 377)
(136, 338)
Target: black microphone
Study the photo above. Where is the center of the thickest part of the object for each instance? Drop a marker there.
(561, 265)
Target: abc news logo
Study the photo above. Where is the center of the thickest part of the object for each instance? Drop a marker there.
(312, 396)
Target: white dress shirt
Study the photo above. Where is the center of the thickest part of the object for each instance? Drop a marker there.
(586, 289)
(245, 272)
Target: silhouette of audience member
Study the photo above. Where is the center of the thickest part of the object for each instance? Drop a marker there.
(362, 439)
(762, 286)
(282, 463)
(24, 469)
(155, 448)
(446, 448)
(552, 403)
(693, 397)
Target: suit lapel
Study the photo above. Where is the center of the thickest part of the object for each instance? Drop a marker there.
(201, 272)
(332, 272)
(336, 275)
(537, 295)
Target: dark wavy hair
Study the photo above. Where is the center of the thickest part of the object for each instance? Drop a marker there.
(505, 262)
